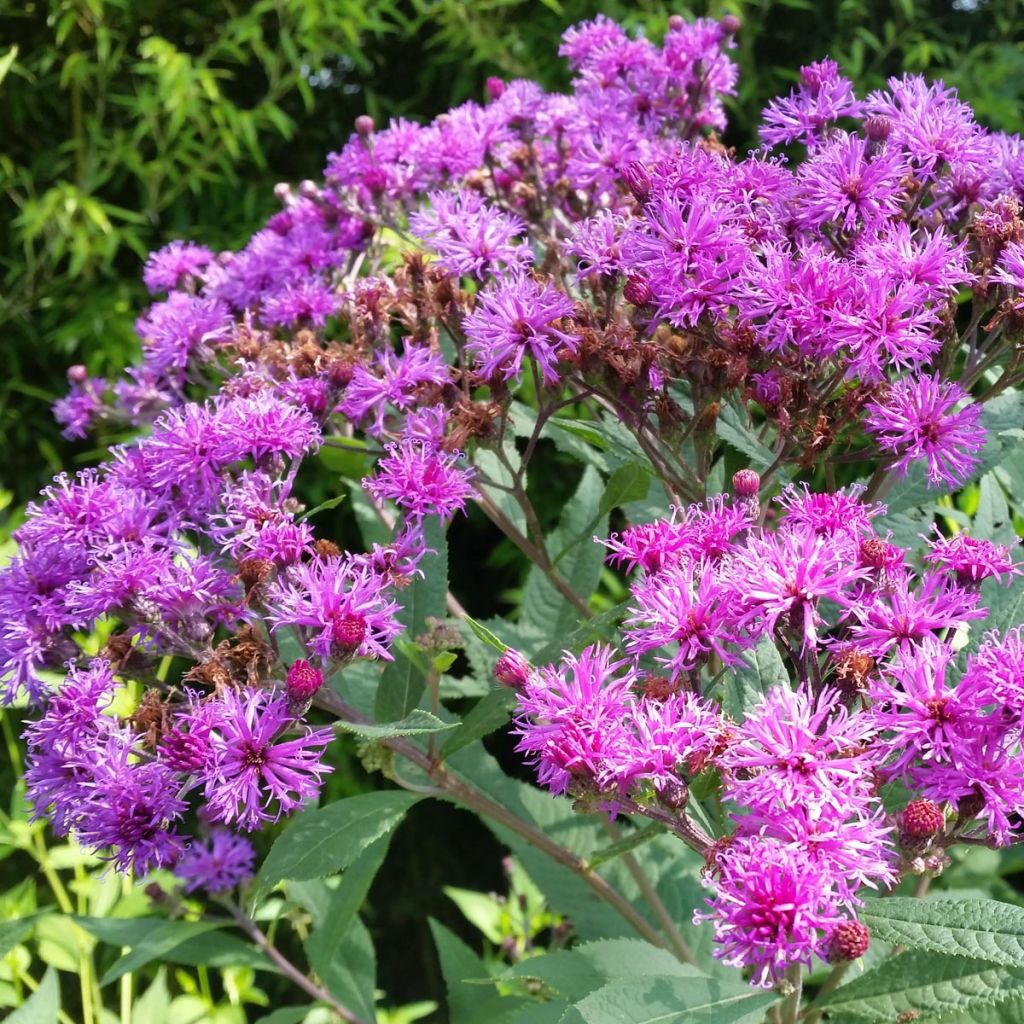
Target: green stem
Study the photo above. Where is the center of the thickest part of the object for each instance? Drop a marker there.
(791, 1004)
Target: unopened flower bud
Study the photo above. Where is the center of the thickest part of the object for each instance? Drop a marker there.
(283, 191)
(922, 819)
(302, 681)
(348, 632)
(638, 180)
(877, 127)
(512, 670)
(364, 125)
(637, 291)
(309, 189)
(676, 22)
(77, 374)
(849, 941)
(495, 87)
(746, 483)
(730, 24)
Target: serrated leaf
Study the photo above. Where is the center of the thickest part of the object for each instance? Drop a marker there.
(930, 984)
(982, 929)
(489, 713)
(43, 1006)
(632, 841)
(415, 723)
(325, 840)
(351, 976)
(671, 1000)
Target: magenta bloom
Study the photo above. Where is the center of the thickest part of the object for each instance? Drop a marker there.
(571, 716)
(773, 907)
(796, 749)
(174, 263)
(822, 97)
(517, 317)
(916, 420)
(221, 863)
(689, 610)
(782, 576)
(340, 605)
(257, 774)
(422, 480)
(470, 236)
(970, 560)
(841, 512)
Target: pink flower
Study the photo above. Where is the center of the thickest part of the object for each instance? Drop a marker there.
(422, 480)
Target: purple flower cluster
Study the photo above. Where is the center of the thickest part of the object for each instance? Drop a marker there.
(874, 699)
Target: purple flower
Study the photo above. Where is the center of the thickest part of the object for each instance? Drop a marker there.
(82, 406)
(846, 183)
(784, 575)
(822, 97)
(688, 609)
(773, 907)
(222, 863)
(422, 480)
(180, 328)
(257, 774)
(471, 236)
(301, 302)
(174, 264)
(841, 512)
(798, 749)
(341, 607)
(971, 560)
(915, 419)
(394, 380)
(517, 317)
(570, 719)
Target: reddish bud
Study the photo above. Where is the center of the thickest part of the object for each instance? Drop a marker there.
(364, 125)
(676, 22)
(746, 483)
(877, 128)
(637, 180)
(348, 631)
(303, 681)
(495, 87)
(849, 941)
(730, 24)
(77, 374)
(922, 819)
(637, 291)
(512, 670)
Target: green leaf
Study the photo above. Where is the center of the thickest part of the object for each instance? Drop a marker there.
(632, 841)
(983, 929)
(344, 903)
(580, 561)
(286, 1015)
(325, 840)
(42, 1006)
(415, 723)
(671, 1000)
(930, 984)
(351, 975)
(156, 943)
(402, 682)
(14, 932)
(470, 999)
(322, 507)
(575, 973)
(743, 687)
(490, 712)
(484, 634)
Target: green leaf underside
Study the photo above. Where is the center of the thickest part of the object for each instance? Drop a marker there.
(416, 722)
